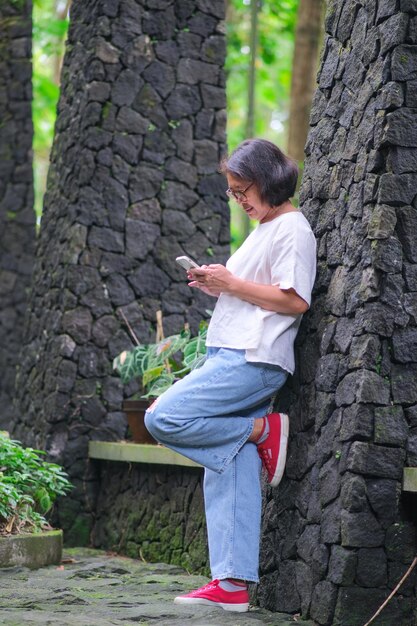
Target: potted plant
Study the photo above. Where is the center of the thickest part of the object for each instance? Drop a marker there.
(159, 365)
(28, 488)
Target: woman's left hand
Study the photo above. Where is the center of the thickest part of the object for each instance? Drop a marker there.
(215, 278)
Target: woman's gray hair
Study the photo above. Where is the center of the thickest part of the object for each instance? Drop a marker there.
(261, 162)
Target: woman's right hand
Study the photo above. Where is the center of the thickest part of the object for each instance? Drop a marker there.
(191, 274)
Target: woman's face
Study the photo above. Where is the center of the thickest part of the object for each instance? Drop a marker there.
(250, 202)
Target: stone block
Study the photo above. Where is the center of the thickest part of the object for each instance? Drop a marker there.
(404, 383)
(404, 343)
(347, 19)
(323, 602)
(400, 129)
(304, 581)
(375, 318)
(192, 72)
(407, 222)
(31, 550)
(357, 423)
(382, 222)
(365, 352)
(361, 530)
(400, 542)
(375, 460)
(329, 481)
(411, 416)
(336, 294)
(390, 426)
(403, 63)
(393, 32)
(353, 494)
(412, 450)
(402, 160)
(372, 567)
(330, 63)
(149, 280)
(327, 372)
(330, 524)
(411, 93)
(343, 333)
(77, 324)
(408, 6)
(324, 408)
(328, 442)
(119, 290)
(342, 566)
(383, 496)
(362, 386)
(356, 605)
(301, 455)
(287, 597)
(387, 255)
(385, 9)
(397, 189)
(184, 100)
(391, 96)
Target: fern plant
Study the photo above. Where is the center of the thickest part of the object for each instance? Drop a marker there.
(160, 364)
(28, 487)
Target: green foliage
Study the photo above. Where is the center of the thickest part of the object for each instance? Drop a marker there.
(161, 364)
(276, 28)
(49, 32)
(28, 487)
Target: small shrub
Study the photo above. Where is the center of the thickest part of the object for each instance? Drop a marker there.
(28, 487)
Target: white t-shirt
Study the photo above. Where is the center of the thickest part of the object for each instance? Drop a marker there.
(280, 252)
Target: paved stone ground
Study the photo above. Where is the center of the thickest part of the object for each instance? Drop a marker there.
(98, 589)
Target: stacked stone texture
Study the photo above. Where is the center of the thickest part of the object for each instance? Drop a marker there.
(17, 218)
(338, 536)
(154, 513)
(132, 184)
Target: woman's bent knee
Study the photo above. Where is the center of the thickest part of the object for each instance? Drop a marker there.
(152, 424)
(160, 425)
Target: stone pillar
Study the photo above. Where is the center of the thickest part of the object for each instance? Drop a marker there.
(17, 218)
(132, 184)
(338, 536)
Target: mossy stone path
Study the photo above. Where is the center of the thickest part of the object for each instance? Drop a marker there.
(98, 589)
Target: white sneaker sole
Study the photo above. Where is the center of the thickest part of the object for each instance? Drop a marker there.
(237, 608)
(283, 444)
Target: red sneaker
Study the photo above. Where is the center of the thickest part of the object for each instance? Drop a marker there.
(273, 451)
(213, 594)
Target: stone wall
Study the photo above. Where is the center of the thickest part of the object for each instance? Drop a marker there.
(132, 184)
(338, 535)
(17, 218)
(154, 513)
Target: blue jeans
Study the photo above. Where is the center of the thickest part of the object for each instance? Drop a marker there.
(208, 416)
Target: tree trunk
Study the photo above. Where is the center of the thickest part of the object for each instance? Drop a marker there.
(17, 217)
(132, 184)
(307, 43)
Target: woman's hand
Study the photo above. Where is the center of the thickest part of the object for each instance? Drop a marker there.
(212, 279)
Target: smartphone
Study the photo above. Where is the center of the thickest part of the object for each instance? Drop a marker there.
(186, 262)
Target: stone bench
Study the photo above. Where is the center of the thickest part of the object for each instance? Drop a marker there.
(137, 453)
(410, 479)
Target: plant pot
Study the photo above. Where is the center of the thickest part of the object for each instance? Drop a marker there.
(135, 413)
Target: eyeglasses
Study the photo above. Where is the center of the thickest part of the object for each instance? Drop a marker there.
(239, 196)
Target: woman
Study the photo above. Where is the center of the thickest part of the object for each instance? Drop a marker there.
(217, 415)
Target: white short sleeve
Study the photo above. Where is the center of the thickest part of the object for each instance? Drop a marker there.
(293, 259)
